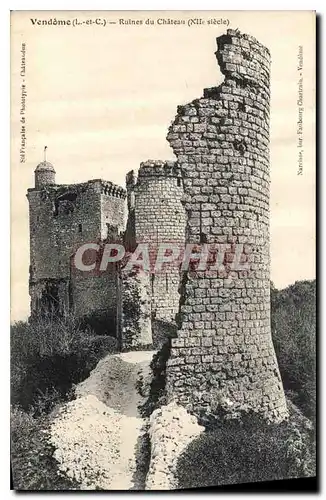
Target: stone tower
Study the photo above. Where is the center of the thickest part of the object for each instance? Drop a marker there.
(44, 174)
(223, 353)
(62, 218)
(157, 216)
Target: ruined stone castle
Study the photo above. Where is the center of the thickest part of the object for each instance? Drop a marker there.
(216, 192)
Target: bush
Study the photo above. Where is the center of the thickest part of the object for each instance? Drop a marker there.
(48, 356)
(248, 450)
(32, 463)
(293, 318)
(157, 392)
(162, 331)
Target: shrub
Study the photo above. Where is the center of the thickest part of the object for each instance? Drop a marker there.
(48, 356)
(157, 393)
(162, 331)
(248, 450)
(293, 319)
(32, 463)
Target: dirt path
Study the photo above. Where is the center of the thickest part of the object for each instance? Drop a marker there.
(97, 437)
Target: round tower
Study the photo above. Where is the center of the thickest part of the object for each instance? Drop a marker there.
(44, 174)
(223, 354)
(159, 219)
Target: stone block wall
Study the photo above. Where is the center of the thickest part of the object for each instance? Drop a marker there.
(159, 217)
(93, 296)
(113, 211)
(62, 218)
(223, 353)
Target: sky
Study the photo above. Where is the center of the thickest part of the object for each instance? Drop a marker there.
(102, 97)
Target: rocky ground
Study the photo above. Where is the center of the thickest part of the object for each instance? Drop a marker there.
(103, 443)
(171, 429)
(97, 437)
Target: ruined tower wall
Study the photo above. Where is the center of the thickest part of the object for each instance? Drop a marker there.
(58, 228)
(223, 353)
(112, 215)
(159, 217)
(94, 295)
(134, 310)
(130, 233)
(62, 218)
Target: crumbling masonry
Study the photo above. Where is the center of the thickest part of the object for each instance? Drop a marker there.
(217, 193)
(63, 217)
(223, 353)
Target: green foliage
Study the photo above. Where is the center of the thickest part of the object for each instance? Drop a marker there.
(32, 462)
(293, 318)
(48, 356)
(157, 393)
(248, 449)
(162, 331)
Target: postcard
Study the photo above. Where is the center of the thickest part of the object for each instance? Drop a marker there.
(163, 286)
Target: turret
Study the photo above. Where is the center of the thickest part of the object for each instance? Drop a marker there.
(44, 175)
